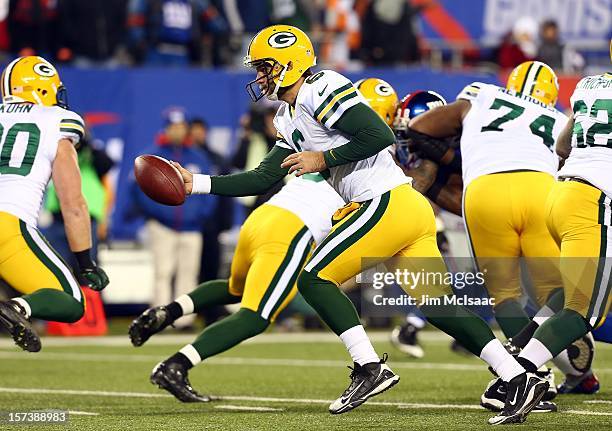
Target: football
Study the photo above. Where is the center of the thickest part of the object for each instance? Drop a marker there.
(159, 180)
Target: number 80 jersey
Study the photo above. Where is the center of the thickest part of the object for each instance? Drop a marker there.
(504, 131)
(29, 136)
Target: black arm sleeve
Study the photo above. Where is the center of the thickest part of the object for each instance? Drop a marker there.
(369, 135)
(256, 181)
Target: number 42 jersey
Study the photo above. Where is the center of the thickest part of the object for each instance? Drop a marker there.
(29, 137)
(591, 155)
(504, 131)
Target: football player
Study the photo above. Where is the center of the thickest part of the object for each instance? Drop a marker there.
(495, 124)
(578, 217)
(273, 245)
(326, 126)
(575, 362)
(37, 138)
(425, 174)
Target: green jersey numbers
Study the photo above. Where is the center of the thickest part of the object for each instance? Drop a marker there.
(600, 115)
(21, 163)
(297, 138)
(542, 126)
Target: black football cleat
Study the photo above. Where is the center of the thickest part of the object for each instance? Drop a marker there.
(494, 399)
(405, 339)
(172, 376)
(150, 322)
(367, 381)
(524, 392)
(13, 318)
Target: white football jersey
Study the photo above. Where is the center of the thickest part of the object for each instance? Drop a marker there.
(311, 199)
(29, 136)
(591, 156)
(321, 101)
(505, 131)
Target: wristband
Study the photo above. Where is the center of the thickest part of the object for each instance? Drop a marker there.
(83, 259)
(201, 184)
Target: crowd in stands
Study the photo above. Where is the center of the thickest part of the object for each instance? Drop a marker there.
(214, 33)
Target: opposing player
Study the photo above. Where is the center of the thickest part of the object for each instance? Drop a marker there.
(38, 135)
(326, 126)
(273, 245)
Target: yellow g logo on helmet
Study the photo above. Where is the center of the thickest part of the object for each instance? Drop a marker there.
(381, 97)
(282, 39)
(282, 53)
(535, 79)
(32, 79)
(44, 69)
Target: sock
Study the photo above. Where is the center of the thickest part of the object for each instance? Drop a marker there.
(552, 306)
(208, 294)
(182, 306)
(521, 339)
(332, 305)
(553, 336)
(562, 362)
(534, 355)
(24, 304)
(415, 321)
(467, 328)
(228, 332)
(511, 317)
(495, 354)
(55, 305)
(359, 346)
(561, 330)
(187, 357)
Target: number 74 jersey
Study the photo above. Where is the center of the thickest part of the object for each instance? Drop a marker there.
(29, 137)
(505, 131)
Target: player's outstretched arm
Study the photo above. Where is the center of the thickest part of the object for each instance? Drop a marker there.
(564, 141)
(67, 180)
(254, 182)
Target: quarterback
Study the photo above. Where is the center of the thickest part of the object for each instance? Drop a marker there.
(325, 126)
(273, 245)
(38, 134)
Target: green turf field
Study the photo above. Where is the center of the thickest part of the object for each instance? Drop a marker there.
(278, 382)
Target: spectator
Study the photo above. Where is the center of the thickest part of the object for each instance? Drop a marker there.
(550, 50)
(221, 219)
(175, 232)
(341, 33)
(32, 26)
(244, 19)
(302, 14)
(519, 45)
(169, 32)
(389, 33)
(94, 164)
(93, 31)
(258, 136)
(554, 53)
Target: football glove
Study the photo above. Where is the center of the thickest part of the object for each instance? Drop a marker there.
(89, 274)
(95, 278)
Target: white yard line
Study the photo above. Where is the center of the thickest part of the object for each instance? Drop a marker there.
(248, 408)
(229, 360)
(172, 339)
(265, 399)
(597, 402)
(586, 412)
(80, 413)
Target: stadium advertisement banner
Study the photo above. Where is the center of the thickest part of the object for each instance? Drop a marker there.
(487, 21)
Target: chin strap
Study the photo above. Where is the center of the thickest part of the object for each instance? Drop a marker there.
(274, 95)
